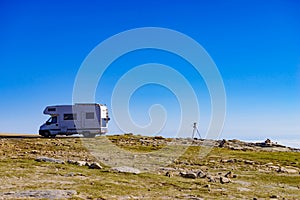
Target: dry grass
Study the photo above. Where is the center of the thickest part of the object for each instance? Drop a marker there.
(20, 171)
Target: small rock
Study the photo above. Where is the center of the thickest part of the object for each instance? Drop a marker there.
(249, 162)
(230, 175)
(212, 179)
(169, 174)
(268, 141)
(227, 161)
(224, 180)
(95, 165)
(201, 174)
(188, 175)
(222, 143)
(34, 151)
(273, 196)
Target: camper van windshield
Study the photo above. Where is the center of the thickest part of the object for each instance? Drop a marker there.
(52, 120)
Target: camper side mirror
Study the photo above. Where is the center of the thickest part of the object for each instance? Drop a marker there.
(48, 123)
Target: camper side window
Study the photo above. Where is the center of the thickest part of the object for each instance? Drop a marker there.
(89, 115)
(51, 109)
(70, 117)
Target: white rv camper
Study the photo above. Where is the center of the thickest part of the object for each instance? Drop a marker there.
(86, 119)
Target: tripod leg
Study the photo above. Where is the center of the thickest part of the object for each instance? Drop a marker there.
(199, 133)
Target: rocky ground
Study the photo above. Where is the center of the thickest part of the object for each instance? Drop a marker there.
(76, 168)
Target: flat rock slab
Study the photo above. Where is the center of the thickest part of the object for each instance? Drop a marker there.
(41, 194)
(46, 159)
(126, 169)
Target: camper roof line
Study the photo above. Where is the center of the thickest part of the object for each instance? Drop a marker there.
(88, 104)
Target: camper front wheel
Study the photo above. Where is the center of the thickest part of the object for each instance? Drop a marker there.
(46, 134)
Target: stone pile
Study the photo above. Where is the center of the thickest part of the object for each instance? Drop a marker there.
(220, 178)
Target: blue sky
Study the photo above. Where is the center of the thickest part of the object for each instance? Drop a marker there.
(255, 44)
